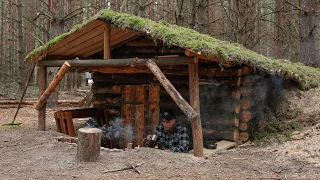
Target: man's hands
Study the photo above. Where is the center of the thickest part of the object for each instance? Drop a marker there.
(149, 137)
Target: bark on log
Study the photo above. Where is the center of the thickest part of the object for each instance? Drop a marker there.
(54, 83)
(42, 88)
(89, 141)
(195, 103)
(221, 121)
(132, 62)
(230, 135)
(175, 95)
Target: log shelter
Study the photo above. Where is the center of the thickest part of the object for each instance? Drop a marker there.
(141, 67)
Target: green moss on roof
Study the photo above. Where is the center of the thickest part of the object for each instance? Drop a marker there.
(174, 35)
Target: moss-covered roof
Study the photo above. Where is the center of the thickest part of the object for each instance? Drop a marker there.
(174, 35)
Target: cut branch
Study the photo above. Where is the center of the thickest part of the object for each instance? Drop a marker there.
(54, 83)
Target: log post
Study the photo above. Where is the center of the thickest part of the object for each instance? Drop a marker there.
(140, 92)
(89, 141)
(153, 109)
(126, 112)
(106, 41)
(195, 104)
(54, 83)
(175, 95)
(42, 110)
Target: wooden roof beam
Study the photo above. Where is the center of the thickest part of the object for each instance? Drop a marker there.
(132, 62)
(200, 55)
(107, 42)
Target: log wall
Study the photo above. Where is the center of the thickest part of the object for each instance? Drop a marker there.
(225, 102)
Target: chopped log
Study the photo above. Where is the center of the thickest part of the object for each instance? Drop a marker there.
(245, 104)
(236, 94)
(230, 135)
(54, 83)
(246, 91)
(243, 126)
(239, 82)
(127, 112)
(42, 88)
(175, 95)
(243, 136)
(140, 92)
(132, 62)
(195, 104)
(247, 82)
(153, 109)
(246, 116)
(106, 41)
(89, 140)
(237, 108)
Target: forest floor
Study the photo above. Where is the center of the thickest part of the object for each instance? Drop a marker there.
(27, 153)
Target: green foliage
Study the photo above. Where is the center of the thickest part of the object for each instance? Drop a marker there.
(173, 35)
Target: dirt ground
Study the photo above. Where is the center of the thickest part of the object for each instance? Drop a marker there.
(30, 154)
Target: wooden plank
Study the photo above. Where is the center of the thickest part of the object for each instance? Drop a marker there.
(69, 48)
(42, 87)
(94, 42)
(106, 41)
(175, 95)
(140, 96)
(127, 112)
(70, 127)
(153, 109)
(54, 83)
(113, 42)
(195, 104)
(66, 40)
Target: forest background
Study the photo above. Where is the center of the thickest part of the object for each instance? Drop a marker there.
(282, 29)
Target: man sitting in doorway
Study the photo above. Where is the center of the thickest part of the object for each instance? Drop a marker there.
(171, 135)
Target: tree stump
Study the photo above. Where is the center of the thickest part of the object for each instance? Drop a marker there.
(89, 141)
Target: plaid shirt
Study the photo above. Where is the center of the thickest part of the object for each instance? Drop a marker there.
(177, 140)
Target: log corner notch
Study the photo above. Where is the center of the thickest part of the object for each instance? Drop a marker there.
(54, 83)
(175, 95)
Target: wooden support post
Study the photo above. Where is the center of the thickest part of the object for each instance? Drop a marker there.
(195, 104)
(140, 96)
(126, 112)
(175, 95)
(89, 142)
(54, 83)
(153, 109)
(42, 110)
(106, 41)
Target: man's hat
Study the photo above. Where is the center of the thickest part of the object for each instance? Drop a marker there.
(167, 116)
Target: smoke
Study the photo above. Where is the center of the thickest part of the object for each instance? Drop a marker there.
(114, 131)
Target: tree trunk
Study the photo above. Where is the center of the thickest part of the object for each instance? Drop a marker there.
(309, 29)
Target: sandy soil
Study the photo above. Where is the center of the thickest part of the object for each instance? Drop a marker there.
(30, 154)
